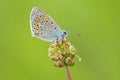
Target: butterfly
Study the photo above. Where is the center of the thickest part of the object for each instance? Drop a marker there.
(44, 27)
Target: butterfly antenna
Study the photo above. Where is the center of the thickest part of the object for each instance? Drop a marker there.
(74, 33)
(78, 34)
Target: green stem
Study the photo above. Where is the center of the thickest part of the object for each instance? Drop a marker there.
(68, 73)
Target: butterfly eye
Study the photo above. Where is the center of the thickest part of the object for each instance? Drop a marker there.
(65, 33)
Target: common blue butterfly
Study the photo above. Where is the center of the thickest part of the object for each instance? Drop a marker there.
(44, 27)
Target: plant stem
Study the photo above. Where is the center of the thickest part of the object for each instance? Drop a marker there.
(68, 73)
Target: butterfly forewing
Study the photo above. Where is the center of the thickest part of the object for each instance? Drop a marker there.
(43, 26)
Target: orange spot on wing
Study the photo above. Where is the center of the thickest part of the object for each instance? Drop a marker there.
(36, 23)
(37, 33)
(37, 28)
(37, 20)
(42, 18)
(46, 19)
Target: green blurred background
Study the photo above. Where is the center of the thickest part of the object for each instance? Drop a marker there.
(23, 57)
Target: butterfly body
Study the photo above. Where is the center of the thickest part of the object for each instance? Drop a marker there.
(44, 27)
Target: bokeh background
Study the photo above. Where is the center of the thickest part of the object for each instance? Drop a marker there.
(23, 57)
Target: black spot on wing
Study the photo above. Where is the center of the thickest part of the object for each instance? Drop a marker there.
(51, 22)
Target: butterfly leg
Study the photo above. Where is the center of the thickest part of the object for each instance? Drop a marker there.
(59, 39)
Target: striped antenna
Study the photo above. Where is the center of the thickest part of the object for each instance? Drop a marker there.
(74, 33)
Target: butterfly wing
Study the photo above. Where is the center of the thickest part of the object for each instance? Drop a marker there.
(43, 26)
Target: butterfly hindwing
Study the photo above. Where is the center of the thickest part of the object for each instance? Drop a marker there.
(43, 26)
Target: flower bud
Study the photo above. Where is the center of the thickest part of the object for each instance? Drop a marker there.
(69, 61)
(62, 53)
(61, 58)
(54, 58)
(58, 64)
